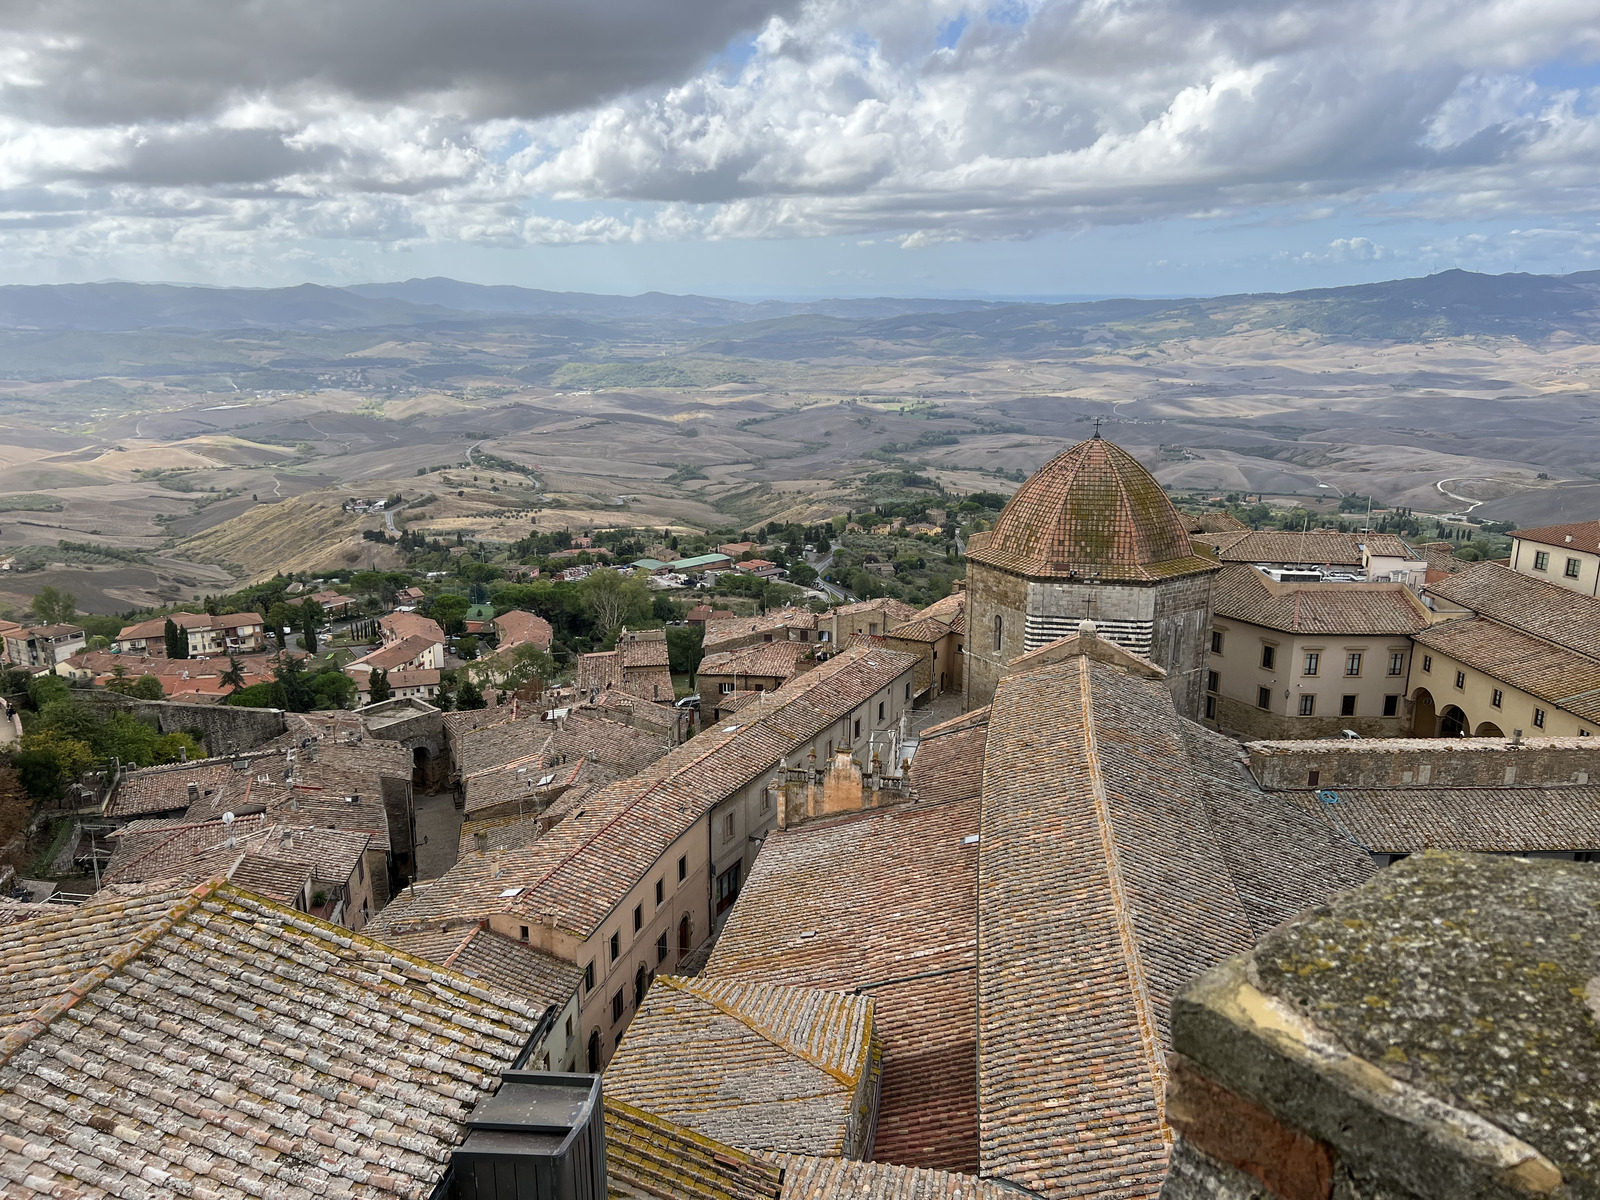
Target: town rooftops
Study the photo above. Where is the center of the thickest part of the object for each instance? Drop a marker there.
(156, 627)
(1244, 594)
(517, 628)
(756, 1065)
(894, 611)
(726, 627)
(1092, 512)
(1579, 535)
(404, 625)
(1314, 547)
(211, 1042)
(814, 913)
(764, 660)
(394, 655)
(1546, 610)
(502, 962)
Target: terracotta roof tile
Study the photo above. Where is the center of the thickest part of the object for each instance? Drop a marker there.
(654, 1156)
(1245, 594)
(1579, 535)
(1546, 610)
(1503, 820)
(1091, 511)
(1567, 679)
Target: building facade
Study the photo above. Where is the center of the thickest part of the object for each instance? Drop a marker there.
(1090, 535)
(1565, 555)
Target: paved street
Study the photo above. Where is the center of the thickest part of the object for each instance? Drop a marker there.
(438, 834)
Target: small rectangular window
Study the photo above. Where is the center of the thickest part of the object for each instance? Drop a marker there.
(1211, 708)
(1212, 680)
(880, 710)
(1347, 706)
(1538, 718)
(727, 827)
(858, 727)
(1313, 662)
(908, 682)
(1216, 641)
(1352, 663)
(1541, 560)
(683, 868)
(1461, 679)
(1269, 656)
(588, 976)
(1312, 777)
(1427, 662)
(1573, 567)
(1308, 705)
(1397, 662)
(616, 946)
(1263, 697)
(1498, 698)
(660, 891)
(638, 917)
(661, 948)
(617, 1006)
(1391, 706)
(524, 932)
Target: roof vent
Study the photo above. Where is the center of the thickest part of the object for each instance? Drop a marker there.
(542, 1135)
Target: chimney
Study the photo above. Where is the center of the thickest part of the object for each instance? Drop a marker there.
(542, 1134)
(194, 792)
(480, 841)
(294, 803)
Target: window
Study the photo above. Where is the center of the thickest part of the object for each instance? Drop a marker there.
(683, 868)
(880, 710)
(660, 891)
(1308, 705)
(1427, 662)
(908, 682)
(725, 688)
(1538, 718)
(872, 629)
(618, 1004)
(1263, 697)
(1211, 708)
(727, 828)
(361, 871)
(1573, 567)
(638, 917)
(661, 948)
(1461, 680)
(594, 1052)
(1498, 698)
(571, 1032)
(1216, 641)
(1269, 656)
(641, 984)
(766, 637)
(1212, 680)
(1541, 561)
(1312, 777)
(858, 727)
(588, 976)
(1352, 663)
(999, 629)
(616, 946)
(524, 933)
(1397, 662)
(1391, 706)
(1347, 706)
(1313, 662)
(728, 887)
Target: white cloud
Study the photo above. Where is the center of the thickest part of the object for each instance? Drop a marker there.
(215, 129)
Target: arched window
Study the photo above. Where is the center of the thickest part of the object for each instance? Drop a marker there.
(683, 935)
(639, 985)
(999, 629)
(594, 1052)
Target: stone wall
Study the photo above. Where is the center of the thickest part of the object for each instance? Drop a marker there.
(227, 729)
(1372, 1051)
(1436, 762)
(1249, 723)
(1182, 639)
(991, 593)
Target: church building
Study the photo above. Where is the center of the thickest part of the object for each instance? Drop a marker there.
(1093, 535)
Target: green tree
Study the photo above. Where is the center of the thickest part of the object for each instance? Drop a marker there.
(310, 618)
(53, 606)
(177, 639)
(233, 677)
(378, 687)
(467, 648)
(614, 598)
(333, 689)
(528, 663)
(684, 648)
(49, 760)
(290, 674)
(148, 687)
(280, 617)
(450, 611)
(469, 695)
(44, 690)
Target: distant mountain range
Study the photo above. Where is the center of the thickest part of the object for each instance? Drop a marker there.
(1450, 303)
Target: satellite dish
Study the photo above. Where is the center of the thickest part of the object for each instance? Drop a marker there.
(227, 818)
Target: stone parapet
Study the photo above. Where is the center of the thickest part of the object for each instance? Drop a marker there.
(1434, 1035)
(1422, 762)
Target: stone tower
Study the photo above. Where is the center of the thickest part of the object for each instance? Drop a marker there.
(1090, 535)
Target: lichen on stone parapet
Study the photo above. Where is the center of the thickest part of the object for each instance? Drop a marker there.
(1474, 979)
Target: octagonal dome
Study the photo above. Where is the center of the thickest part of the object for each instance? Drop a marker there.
(1092, 512)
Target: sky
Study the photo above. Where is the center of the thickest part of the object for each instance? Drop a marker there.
(799, 147)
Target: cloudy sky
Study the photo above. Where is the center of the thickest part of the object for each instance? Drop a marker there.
(794, 147)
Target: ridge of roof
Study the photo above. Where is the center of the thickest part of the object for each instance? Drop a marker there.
(725, 995)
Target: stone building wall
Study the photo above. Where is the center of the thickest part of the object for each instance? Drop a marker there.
(1407, 762)
(991, 593)
(1182, 638)
(227, 729)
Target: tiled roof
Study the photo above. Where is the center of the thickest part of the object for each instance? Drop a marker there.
(580, 734)
(923, 629)
(1504, 820)
(1107, 878)
(1546, 610)
(162, 850)
(1093, 512)
(517, 627)
(1567, 679)
(895, 612)
(305, 1060)
(724, 627)
(1312, 547)
(640, 655)
(767, 660)
(280, 879)
(408, 624)
(540, 978)
(756, 1065)
(884, 901)
(397, 654)
(839, 1179)
(949, 760)
(1375, 609)
(505, 831)
(166, 789)
(650, 1155)
(1579, 535)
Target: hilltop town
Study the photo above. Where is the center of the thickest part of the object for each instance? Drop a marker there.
(1063, 844)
